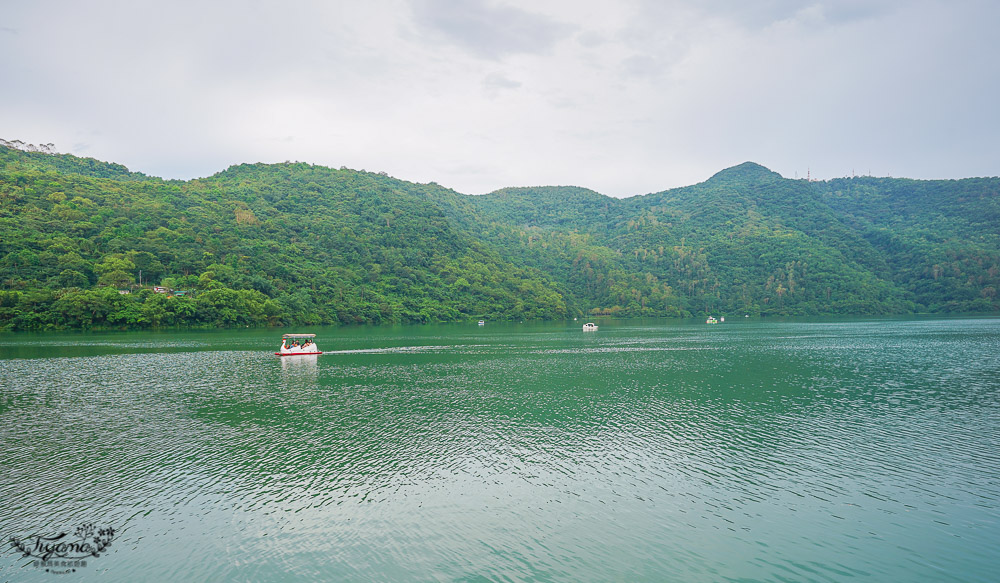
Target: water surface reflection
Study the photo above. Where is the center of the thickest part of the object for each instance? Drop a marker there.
(825, 451)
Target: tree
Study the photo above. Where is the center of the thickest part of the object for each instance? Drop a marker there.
(116, 271)
(72, 278)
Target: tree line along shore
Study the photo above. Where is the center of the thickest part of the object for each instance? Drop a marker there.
(90, 244)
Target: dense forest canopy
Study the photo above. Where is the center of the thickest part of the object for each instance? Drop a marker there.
(83, 243)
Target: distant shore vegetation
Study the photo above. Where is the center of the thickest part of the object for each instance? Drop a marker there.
(90, 244)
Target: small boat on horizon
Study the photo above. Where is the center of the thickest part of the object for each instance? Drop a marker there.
(590, 327)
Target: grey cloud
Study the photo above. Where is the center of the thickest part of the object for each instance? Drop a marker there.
(488, 30)
(764, 14)
(642, 66)
(422, 89)
(495, 82)
(591, 39)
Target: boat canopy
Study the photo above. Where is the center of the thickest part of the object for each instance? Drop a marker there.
(298, 335)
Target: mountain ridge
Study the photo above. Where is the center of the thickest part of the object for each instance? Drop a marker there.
(279, 244)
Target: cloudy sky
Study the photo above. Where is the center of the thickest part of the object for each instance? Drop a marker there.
(624, 97)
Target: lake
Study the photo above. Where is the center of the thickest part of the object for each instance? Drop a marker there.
(645, 451)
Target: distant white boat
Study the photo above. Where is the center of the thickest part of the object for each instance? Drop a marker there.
(590, 327)
(482, 322)
(711, 320)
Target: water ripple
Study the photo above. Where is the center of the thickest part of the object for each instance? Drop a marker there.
(797, 452)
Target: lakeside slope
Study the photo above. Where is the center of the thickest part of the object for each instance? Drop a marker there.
(295, 243)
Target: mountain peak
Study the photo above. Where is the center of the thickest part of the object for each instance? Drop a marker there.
(747, 171)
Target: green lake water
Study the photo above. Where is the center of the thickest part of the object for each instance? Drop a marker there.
(645, 451)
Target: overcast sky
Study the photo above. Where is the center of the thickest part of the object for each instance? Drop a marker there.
(625, 97)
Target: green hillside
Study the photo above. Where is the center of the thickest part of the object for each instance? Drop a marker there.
(254, 245)
(748, 241)
(294, 243)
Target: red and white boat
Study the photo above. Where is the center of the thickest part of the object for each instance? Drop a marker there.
(297, 345)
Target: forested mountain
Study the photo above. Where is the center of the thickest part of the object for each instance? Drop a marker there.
(748, 241)
(256, 244)
(294, 243)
